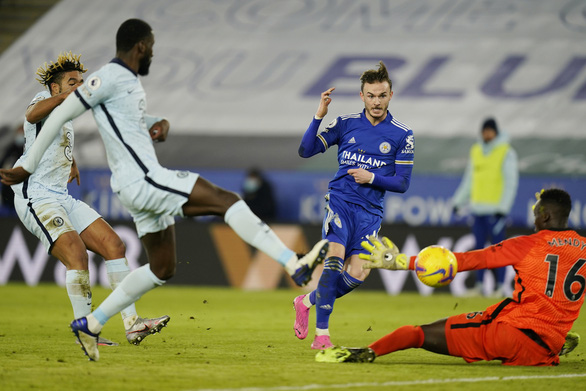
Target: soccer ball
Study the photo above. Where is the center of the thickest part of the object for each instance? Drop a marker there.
(436, 266)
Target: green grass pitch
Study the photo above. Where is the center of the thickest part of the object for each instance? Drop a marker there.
(226, 339)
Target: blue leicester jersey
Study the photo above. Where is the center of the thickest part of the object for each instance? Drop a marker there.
(382, 149)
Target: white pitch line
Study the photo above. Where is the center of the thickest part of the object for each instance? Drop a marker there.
(395, 383)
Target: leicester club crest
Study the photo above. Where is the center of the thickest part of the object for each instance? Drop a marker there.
(385, 147)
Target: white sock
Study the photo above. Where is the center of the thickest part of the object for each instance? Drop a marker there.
(306, 301)
(319, 332)
(78, 287)
(136, 284)
(116, 270)
(256, 233)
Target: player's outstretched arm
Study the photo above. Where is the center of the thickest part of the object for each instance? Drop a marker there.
(12, 176)
(41, 109)
(310, 144)
(383, 254)
(324, 102)
(68, 110)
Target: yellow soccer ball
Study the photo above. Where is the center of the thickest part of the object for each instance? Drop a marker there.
(436, 266)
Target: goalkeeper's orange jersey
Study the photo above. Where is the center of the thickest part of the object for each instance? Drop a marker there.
(549, 285)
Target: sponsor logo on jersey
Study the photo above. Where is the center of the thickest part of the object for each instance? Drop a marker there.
(384, 147)
(352, 141)
(410, 142)
(182, 174)
(94, 83)
(410, 145)
(359, 159)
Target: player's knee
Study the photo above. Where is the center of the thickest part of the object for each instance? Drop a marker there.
(74, 258)
(355, 270)
(227, 199)
(358, 273)
(164, 272)
(115, 248)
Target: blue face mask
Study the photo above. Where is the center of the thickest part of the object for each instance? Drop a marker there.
(251, 185)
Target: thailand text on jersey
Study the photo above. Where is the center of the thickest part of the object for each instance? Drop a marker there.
(378, 149)
(54, 168)
(550, 268)
(118, 102)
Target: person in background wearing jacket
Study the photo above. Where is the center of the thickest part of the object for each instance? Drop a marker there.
(488, 188)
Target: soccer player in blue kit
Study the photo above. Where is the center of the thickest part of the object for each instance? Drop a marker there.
(375, 155)
(153, 194)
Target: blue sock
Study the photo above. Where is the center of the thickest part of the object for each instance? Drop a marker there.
(347, 284)
(326, 291)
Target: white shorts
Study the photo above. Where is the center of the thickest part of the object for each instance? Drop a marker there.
(156, 199)
(51, 215)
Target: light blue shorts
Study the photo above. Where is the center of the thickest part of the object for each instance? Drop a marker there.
(155, 200)
(50, 215)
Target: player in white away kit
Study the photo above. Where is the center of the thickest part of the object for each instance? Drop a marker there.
(63, 224)
(152, 193)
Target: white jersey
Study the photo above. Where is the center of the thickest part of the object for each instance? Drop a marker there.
(118, 102)
(55, 166)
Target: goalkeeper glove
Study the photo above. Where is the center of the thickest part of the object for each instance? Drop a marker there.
(383, 255)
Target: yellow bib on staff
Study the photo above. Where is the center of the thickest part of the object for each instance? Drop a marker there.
(487, 174)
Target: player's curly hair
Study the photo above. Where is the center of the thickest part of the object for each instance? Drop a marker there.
(379, 75)
(52, 73)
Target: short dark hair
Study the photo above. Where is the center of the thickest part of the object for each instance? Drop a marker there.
(379, 75)
(559, 199)
(130, 33)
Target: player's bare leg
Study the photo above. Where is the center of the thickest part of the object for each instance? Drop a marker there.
(71, 251)
(160, 247)
(209, 199)
(100, 238)
(161, 253)
(435, 337)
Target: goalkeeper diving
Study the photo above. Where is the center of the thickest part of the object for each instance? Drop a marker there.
(530, 328)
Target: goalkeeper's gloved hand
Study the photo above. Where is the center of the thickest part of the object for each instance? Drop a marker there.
(383, 255)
